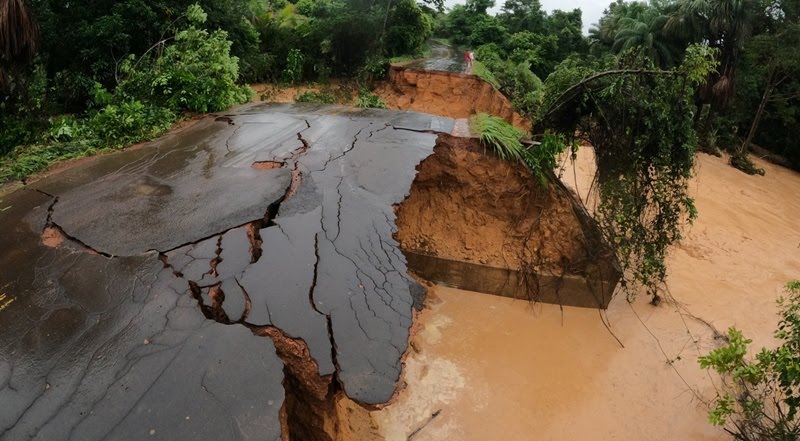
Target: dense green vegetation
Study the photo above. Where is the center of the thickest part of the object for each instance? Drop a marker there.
(504, 140)
(517, 48)
(760, 397)
(126, 70)
(195, 73)
(653, 83)
(750, 97)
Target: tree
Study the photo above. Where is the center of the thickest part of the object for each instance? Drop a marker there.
(478, 7)
(523, 15)
(409, 28)
(639, 120)
(19, 34)
(568, 29)
(487, 30)
(779, 60)
(645, 31)
(605, 31)
(722, 24)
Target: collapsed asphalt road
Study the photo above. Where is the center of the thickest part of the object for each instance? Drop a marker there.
(142, 284)
(442, 58)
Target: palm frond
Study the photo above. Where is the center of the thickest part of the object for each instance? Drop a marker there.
(500, 136)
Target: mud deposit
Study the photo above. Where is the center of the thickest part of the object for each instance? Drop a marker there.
(494, 368)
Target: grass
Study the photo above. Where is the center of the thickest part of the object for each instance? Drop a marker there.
(31, 159)
(368, 100)
(85, 137)
(402, 59)
(482, 72)
(423, 52)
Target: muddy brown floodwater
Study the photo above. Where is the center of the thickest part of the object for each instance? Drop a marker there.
(496, 368)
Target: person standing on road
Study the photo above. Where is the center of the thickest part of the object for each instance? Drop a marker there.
(467, 59)
(471, 58)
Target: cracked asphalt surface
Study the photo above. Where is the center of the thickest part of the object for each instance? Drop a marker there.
(139, 325)
(442, 58)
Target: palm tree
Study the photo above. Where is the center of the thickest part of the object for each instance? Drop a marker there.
(637, 24)
(722, 24)
(645, 31)
(19, 34)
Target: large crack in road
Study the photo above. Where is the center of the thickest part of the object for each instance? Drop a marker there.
(106, 341)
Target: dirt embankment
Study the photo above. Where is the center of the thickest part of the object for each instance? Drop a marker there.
(451, 94)
(477, 222)
(467, 205)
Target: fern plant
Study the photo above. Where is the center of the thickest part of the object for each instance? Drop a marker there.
(504, 140)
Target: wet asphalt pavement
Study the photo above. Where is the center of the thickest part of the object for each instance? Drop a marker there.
(442, 58)
(107, 336)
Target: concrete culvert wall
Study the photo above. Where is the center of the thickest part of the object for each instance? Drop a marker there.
(477, 222)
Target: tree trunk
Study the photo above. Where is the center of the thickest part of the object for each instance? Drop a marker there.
(759, 113)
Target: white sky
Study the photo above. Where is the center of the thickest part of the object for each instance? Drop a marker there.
(592, 9)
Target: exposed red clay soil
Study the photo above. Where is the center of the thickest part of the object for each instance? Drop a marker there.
(470, 206)
(297, 178)
(52, 237)
(343, 90)
(309, 403)
(315, 407)
(267, 165)
(253, 231)
(450, 94)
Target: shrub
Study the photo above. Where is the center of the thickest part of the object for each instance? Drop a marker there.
(504, 139)
(761, 397)
(196, 73)
(367, 99)
(294, 67)
(321, 97)
(128, 122)
(374, 69)
(481, 71)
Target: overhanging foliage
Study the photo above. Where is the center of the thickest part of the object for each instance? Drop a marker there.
(639, 120)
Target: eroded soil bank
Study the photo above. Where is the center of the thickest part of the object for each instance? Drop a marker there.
(468, 205)
(469, 211)
(495, 368)
(451, 94)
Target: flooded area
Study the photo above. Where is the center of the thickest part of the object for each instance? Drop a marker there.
(496, 368)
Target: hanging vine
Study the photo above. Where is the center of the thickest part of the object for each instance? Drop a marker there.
(639, 120)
